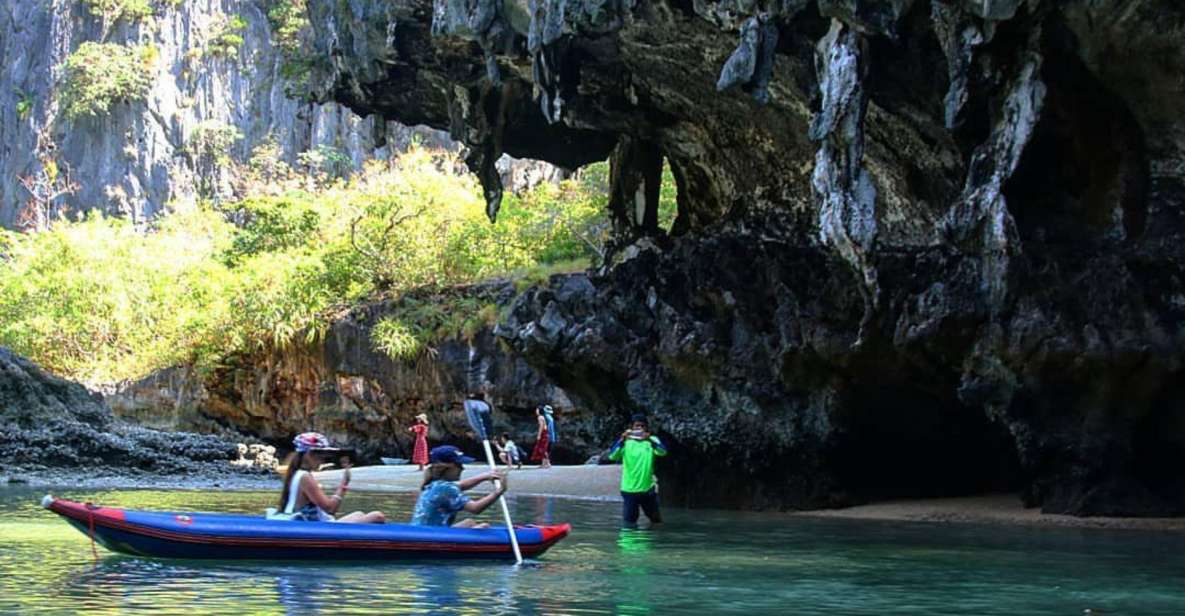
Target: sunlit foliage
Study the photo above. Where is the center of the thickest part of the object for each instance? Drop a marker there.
(101, 300)
(100, 75)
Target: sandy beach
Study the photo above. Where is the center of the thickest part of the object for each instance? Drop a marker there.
(601, 483)
(989, 509)
(585, 481)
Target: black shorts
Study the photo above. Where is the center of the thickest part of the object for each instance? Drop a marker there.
(646, 501)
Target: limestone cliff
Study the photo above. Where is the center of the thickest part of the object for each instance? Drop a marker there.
(145, 156)
(342, 386)
(921, 247)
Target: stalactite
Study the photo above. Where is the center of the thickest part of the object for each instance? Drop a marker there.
(842, 185)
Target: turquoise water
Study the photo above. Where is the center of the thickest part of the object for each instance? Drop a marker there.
(703, 562)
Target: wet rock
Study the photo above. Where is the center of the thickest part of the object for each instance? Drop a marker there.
(51, 423)
(365, 400)
(986, 195)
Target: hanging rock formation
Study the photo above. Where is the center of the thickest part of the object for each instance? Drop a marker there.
(922, 248)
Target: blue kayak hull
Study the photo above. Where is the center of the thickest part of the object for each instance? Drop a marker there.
(228, 536)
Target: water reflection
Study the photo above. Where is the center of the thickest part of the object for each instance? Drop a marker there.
(544, 506)
(704, 563)
(437, 589)
(633, 541)
(304, 590)
(635, 546)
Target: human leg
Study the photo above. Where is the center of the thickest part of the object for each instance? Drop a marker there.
(629, 509)
(649, 504)
(358, 517)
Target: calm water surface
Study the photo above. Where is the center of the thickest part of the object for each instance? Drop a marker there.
(704, 562)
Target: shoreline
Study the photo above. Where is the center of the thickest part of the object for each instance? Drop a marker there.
(991, 510)
(579, 482)
(600, 483)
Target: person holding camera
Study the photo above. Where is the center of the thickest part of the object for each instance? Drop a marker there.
(636, 449)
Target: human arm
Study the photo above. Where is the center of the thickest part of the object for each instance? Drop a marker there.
(313, 492)
(477, 506)
(618, 448)
(470, 482)
(659, 448)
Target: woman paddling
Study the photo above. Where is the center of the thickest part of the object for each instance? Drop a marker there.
(442, 492)
(302, 497)
(545, 437)
(419, 453)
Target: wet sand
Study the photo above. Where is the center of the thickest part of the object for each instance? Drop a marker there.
(601, 483)
(990, 509)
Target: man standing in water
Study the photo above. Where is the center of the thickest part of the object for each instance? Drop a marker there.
(636, 449)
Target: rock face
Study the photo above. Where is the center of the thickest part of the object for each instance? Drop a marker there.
(144, 157)
(358, 396)
(49, 422)
(922, 247)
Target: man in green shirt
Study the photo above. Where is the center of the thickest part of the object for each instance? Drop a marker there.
(636, 450)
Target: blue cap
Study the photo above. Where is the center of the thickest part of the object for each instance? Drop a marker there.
(449, 454)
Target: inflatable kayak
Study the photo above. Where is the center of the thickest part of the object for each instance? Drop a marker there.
(219, 535)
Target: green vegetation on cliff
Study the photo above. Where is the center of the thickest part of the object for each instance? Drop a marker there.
(99, 75)
(101, 300)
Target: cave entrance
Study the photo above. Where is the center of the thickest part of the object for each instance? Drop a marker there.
(903, 441)
(668, 199)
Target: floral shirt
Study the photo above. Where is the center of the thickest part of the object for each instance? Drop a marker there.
(438, 504)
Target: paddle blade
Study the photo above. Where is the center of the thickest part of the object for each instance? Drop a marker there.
(480, 418)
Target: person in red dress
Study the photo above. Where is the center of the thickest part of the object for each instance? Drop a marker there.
(544, 438)
(419, 453)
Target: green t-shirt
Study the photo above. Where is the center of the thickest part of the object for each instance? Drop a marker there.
(637, 462)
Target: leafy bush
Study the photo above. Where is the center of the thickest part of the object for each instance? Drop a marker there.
(325, 163)
(418, 321)
(393, 337)
(289, 20)
(227, 40)
(213, 140)
(115, 10)
(99, 75)
(272, 225)
(99, 300)
(24, 103)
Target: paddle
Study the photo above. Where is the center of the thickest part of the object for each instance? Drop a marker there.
(482, 422)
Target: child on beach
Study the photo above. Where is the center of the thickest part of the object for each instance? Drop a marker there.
(508, 452)
(419, 453)
(544, 437)
(442, 492)
(636, 449)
